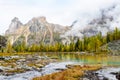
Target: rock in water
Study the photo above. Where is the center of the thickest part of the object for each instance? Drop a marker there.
(118, 76)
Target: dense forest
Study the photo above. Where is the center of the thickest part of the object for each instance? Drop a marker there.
(91, 44)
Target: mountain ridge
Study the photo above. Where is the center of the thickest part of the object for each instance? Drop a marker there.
(35, 31)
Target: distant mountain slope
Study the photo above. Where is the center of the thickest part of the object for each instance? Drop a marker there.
(88, 25)
(35, 31)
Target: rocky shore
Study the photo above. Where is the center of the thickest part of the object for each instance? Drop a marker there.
(10, 65)
(73, 72)
(102, 74)
(85, 72)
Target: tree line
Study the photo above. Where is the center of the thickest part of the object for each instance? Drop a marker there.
(91, 44)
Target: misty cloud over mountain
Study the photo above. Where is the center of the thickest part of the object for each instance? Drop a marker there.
(106, 19)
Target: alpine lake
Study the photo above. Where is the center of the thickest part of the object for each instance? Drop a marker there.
(26, 66)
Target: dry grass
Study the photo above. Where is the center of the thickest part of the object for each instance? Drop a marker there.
(73, 73)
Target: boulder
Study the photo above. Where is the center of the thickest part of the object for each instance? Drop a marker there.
(118, 76)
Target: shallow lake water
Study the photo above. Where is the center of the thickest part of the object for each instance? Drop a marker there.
(86, 58)
(65, 59)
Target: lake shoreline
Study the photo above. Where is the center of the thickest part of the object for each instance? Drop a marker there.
(80, 53)
(84, 72)
(73, 72)
(24, 65)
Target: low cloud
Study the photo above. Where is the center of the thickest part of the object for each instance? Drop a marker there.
(62, 12)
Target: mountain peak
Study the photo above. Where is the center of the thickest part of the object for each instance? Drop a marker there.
(40, 19)
(15, 19)
(15, 24)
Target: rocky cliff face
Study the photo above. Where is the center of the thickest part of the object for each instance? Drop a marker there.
(15, 24)
(114, 47)
(35, 31)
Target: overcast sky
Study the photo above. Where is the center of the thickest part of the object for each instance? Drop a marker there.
(62, 12)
